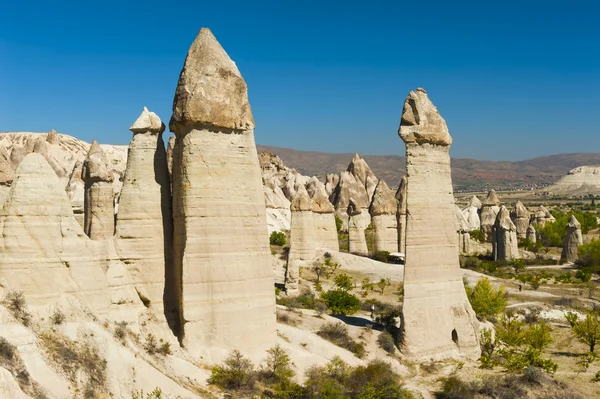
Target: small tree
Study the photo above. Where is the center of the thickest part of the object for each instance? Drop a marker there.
(277, 368)
(236, 373)
(588, 330)
(324, 268)
(488, 346)
(486, 301)
(277, 238)
(338, 223)
(383, 283)
(366, 286)
(344, 282)
(538, 336)
(341, 302)
(517, 264)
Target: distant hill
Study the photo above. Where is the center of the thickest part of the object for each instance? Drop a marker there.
(467, 174)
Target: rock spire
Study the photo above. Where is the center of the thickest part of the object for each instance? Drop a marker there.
(302, 238)
(357, 223)
(573, 239)
(401, 214)
(438, 319)
(221, 243)
(504, 237)
(383, 209)
(324, 222)
(144, 222)
(99, 212)
(520, 216)
(489, 211)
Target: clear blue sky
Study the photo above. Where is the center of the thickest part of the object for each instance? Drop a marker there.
(514, 81)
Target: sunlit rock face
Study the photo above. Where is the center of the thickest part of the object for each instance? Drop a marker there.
(504, 237)
(221, 244)
(144, 222)
(489, 211)
(358, 221)
(438, 319)
(573, 239)
(302, 238)
(99, 212)
(383, 209)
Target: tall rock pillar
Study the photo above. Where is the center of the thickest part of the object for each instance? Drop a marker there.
(99, 211)
(520, 217)
(401, 215)
(489, 211)
(504, 237)
(144, 222)
(221, 243)
(302, 238)
(438, 320)
(358, 220)
(383, 209)
(573, 239)
(324, 219)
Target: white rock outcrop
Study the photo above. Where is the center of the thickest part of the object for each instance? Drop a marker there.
(573, 239)
(44, 252)
(471, 213)
(221, 243)
(383, 210)
(581, 181)
(303, 236)
(143, 237)
(520, 216)
(542, 216)
(531, 234)
(489, 210)
(438, 319)
(326, 236)
(348, 187)
(504, 237)
(462, 229)
(358, 221)
(401, 214)
(99, 211)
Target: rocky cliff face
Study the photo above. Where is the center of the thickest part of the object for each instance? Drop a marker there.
(438, 319)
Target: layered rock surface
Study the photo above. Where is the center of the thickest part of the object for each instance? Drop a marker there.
(358, 221)
(471, 213)
(438, 319)
(303, 238)
(383, 209)
(401, 214)
(489, 210)
(463, 228)
(221, 247)
(520, 216)
(99, 214)
(324, 222)
(44, 252)
(144, 222)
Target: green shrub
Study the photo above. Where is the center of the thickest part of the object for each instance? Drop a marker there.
(153, 347)
(488, 345)
(57, 318)
(454, 388)
(237, 373)
(486, 301)
(587, 330)
(386, 342)
(477, 235)
(341, 302)
(381, 256)
(277, 368)
(15, 303)
(338, 223)
(583, 275)
(324, 268)
(277, 238)
(156, 394)
(589, 254)
(121, 331)
(337, 333)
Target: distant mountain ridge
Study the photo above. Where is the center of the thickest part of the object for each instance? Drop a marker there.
(467, 174)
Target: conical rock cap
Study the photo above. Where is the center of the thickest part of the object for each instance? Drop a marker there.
(384, 201)
(301, 201)
(211, 90)
(492, 199)
(421, 122)
(147, 122)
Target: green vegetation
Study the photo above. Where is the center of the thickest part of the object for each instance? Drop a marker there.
(486, 301)
(324, 268)
(386, 341)
(587, 330)
(15, 303)
(156, 394)
(477, 235)
(12, 361)
(80, 361)
(156, 348)
(381, 256)
(338, 223)
(552, 234)
(336, 379)
(277, 238)
(337, 333)
(340, 300)
(589, 254)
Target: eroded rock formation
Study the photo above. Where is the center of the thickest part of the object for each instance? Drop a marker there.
(462, 229)
(573, 239)
(358, 221)
(531, 234)
(438, 319)
(324, 222)
(504, 237)
(542, 216)
(383, 209)
(471, 213)
(302, 238)
(44, 252)
(520, 217)
(99, 211)
(489, 211)
(401, 214)
(144, 221)
(221, 247)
